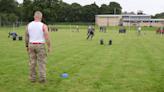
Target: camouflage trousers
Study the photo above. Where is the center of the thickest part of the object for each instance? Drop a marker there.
(37, 52)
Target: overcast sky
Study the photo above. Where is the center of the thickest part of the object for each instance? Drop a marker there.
(150, 7)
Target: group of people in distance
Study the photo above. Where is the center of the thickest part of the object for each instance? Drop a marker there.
(102, 29)
(158, 31)
(90, 32)
(122, 30)
(54, 29)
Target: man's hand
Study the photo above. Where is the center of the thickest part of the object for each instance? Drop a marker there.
(49, 50)
(27, 49)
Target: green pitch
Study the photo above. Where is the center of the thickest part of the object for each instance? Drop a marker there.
(128, 65)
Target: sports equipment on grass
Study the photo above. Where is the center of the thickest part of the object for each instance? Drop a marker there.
(14, 38)
(110, 42)
(64, 75)
(101, 42)
(20, 38)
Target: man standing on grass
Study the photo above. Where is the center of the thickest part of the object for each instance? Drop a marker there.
(91, 34)
(89, 27)
(139, 29)
(77, 28)
(35, 33)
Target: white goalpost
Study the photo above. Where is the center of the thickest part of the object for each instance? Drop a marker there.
(129, 22)
(13, 27)
(161, 32)
(162, 29)
(70, 31)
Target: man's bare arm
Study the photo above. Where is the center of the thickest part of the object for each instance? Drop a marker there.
(26, 37)
(47, 38)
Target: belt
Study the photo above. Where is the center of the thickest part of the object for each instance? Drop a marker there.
(36, 43)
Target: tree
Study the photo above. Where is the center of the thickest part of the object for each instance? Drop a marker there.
(3, 17)
(49, 8)
(89, 12)
(27, 4)
(75, 12)
(8, 6)
(104, 9)
(161, 15)
(114, 5)
(140, 12)
(13, 17)
(19, 12)
(55, 10)
(63, 13)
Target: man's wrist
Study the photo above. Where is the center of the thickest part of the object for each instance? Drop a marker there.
(26, 46)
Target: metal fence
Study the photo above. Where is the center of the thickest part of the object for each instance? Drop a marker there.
(25, 23)
(72, 23)
(6, 24)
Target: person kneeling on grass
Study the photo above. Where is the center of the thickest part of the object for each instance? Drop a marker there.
(13, 34)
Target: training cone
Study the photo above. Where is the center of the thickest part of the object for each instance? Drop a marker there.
(64, 75)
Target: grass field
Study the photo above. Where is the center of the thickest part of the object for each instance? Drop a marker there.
(128, 65)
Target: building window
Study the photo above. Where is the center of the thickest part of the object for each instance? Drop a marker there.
(145, 21)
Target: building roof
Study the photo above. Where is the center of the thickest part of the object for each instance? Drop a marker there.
(137, 19)
(136, 15)
(143, 19)
(107, 15)
(110, 15)
(139, 15)
(157, 19)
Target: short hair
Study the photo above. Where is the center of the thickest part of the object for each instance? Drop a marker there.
(38, 14)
